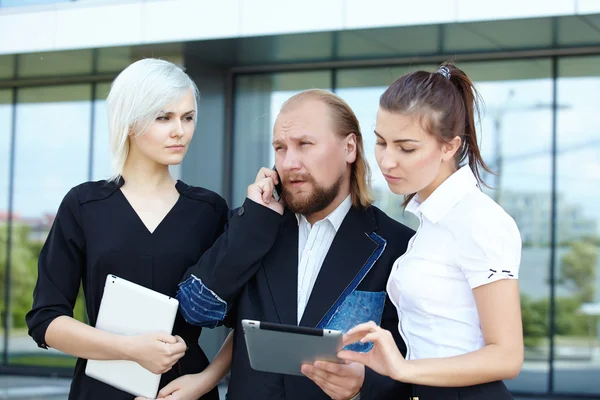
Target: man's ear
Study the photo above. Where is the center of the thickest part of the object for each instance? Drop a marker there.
(351, 148)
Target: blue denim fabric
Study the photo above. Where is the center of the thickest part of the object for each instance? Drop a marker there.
(355, 307)
(358, 308)
(199, 305)
(381, 244)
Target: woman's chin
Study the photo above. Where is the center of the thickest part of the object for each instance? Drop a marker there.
(399, 190)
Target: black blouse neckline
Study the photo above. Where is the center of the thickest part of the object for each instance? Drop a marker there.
(180, 186)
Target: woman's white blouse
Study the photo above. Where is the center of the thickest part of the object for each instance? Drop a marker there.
(464, 240)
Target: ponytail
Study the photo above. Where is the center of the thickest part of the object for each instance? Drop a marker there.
(472, 101)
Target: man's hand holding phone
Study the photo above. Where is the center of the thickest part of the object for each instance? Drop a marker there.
(263, 191)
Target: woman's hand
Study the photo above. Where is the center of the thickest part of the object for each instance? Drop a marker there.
(384, 358)
(186, 387)
(157, 351)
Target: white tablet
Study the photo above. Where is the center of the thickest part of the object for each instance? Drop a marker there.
(130, 309)
(283, 349)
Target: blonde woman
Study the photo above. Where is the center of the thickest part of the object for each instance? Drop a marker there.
(141, 224)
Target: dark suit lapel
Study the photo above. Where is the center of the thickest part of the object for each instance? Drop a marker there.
(350, 250)
(281, 268)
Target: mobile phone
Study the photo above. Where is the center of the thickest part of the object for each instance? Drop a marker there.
(278, 187)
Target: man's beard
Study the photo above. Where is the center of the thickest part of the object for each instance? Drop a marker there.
(318, 200)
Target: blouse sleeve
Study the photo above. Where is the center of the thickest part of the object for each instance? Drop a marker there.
(60, 267)
(489, 251)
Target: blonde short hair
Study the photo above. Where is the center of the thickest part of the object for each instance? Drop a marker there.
(137, 96)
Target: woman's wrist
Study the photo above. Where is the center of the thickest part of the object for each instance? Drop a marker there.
(206, 380)
(405, 371)
(125, 347)
(200, 383)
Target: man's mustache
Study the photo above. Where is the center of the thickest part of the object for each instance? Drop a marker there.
(298, 177)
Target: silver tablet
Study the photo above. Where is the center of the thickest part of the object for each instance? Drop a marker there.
(283, 349)
(130, 309)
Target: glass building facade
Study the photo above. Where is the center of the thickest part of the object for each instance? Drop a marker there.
(540, 79)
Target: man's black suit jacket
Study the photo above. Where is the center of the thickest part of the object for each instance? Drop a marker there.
(253, 267)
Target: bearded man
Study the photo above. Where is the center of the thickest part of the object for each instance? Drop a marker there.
(318, 257)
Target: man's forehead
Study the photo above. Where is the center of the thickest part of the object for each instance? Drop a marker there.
(304, 108)
(302, 120)
(311, 130)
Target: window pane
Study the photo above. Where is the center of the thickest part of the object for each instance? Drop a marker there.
(52, 146)
(515, 136)
(498, 35)
(578, 30)
(7, 67)
(389, 42)
(55, 63)
(577, 340)
(101, 168)
(5, 134)
(115, 59)
(515, 139)
(284, 48)
(258, 100)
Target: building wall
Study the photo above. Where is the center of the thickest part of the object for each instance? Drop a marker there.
(58, 25)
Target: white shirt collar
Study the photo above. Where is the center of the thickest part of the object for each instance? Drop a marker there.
(446, 196)
(336, 217)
